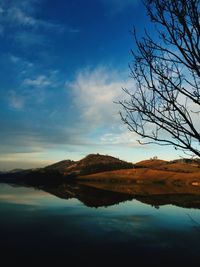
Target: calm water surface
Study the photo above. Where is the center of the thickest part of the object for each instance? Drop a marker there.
(40, 229)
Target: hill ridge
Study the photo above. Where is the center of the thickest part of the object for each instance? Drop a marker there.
(91, 163)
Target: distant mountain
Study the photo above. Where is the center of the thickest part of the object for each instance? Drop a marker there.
(66, 170)
(12, 171)
(105, 168)
(61, 166)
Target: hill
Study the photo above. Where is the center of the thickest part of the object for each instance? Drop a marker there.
(194, 161)
(92, 163)
(104, 168)
(150, 163)
(66, 170)
(61, 166)
(179, 165)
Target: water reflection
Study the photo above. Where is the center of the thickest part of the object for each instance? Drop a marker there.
(105, 194)
(90, 196)
(57, 225)
(98, 195)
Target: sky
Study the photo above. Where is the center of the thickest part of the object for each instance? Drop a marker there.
(63, 66)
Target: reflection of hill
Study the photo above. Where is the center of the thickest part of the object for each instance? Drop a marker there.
(95, 194)
(90, 196)
(154, 194)
(100, 194)
(181, 200)
(138, 188)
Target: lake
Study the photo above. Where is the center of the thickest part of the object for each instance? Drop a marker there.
(43, 228)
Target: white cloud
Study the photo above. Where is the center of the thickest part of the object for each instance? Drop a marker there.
(126, 138)
(40, 82)
(27, 39)
(39, 88)
(1, 26)
(1, 30)
(122, 3)
(73, 30)
(23, 13)
(20, 64)
(15, 101)
(14, 59)
(1, 10)
(16, 15)
(117, 6)
(94, 94)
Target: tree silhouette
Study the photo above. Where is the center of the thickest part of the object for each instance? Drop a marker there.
(164, 107)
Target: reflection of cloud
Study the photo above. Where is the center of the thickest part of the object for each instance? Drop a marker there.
(16, 200)
(23, 199)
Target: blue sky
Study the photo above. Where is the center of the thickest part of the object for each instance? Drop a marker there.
(63, 64)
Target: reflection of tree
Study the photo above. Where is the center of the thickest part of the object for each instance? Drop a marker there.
(165, 107)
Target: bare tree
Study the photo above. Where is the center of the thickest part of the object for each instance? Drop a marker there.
(164, 106)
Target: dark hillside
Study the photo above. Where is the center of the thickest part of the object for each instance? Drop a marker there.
(60, 166)
(94, 163)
